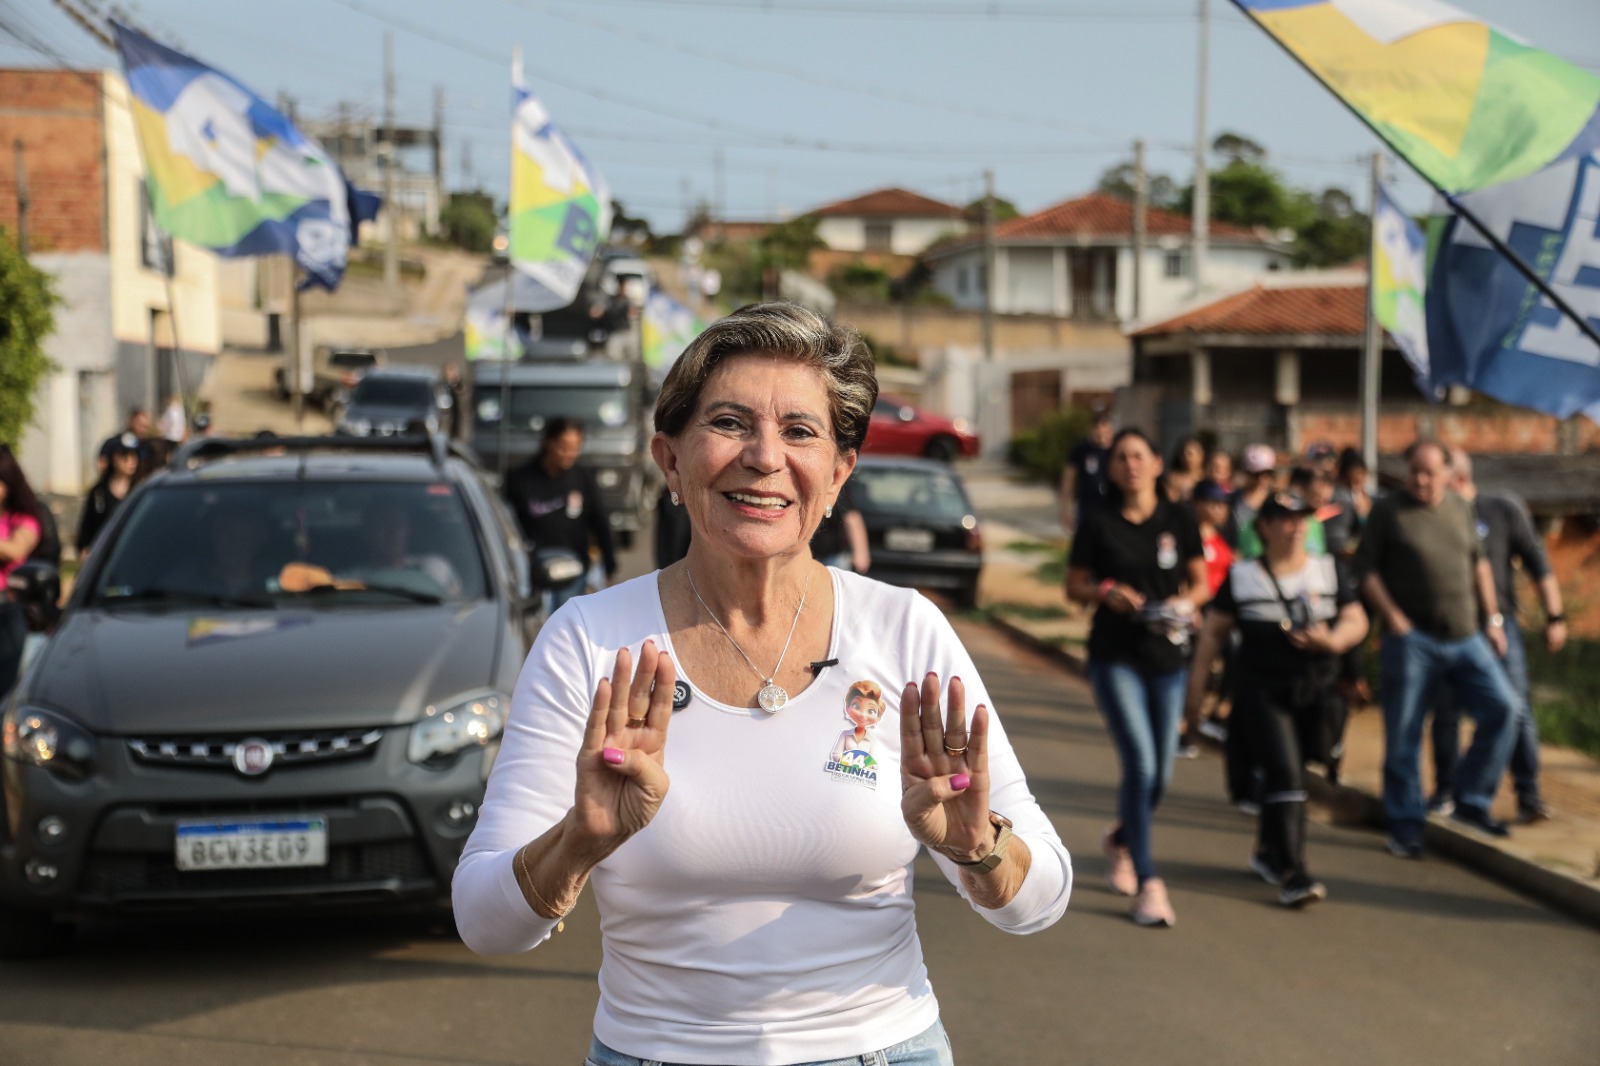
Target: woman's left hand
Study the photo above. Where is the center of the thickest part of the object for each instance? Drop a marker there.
(945, 795)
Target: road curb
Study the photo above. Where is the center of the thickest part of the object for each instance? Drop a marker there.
(1574, 896)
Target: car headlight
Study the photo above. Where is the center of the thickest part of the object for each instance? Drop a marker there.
(608, 479)
(449, 729)
(47, 739)
(357, 427)
(961, 425)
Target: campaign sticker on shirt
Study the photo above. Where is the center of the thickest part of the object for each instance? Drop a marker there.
(1167, 551)
(1483, 530)
(1091, 465)
(680, 695)
(575, 504)
(852, 758)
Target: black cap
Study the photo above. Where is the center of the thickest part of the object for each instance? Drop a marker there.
(1209, 491)
(1283, 503)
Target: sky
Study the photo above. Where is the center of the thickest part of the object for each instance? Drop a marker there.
(805, 101)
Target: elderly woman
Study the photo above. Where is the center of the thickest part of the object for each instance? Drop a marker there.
(760, 911)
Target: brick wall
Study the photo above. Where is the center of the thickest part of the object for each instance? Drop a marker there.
(1474, 430)
(57, 116)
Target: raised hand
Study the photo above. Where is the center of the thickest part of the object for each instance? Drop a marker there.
(944, 796)
(621, 778)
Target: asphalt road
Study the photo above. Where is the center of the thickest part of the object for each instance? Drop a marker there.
(1407, 962)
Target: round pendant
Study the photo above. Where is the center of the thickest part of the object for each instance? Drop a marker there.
(772, 698)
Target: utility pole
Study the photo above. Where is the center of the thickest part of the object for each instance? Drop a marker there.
(1202, 160)
(22, 202)
(988, 266)
(1372, 341)
(391, 210)
(1141, 205)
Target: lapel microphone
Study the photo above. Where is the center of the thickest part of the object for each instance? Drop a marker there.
(822, 664)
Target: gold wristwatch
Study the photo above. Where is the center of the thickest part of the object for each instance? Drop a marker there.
(1002, 841)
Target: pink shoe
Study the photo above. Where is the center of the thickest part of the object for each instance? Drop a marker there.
(1119, 864)
(1151, 906)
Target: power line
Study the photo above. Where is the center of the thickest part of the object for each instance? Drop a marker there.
(922, 9)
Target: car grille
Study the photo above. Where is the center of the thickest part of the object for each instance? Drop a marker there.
(120, 874)
(289, 749)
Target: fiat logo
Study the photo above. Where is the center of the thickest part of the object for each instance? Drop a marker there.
(252, 757)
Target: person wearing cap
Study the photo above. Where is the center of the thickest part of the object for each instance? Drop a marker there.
(1295, 614)
(137, 427)
(1260, 467)
(1424, 573)
(123, 471)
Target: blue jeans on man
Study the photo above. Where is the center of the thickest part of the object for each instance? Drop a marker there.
(1414, 666)
(1525, 745)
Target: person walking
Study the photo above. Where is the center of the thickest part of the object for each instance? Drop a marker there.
(558, 505)
(1083, 479)
(20, 533)
(841, 538)
(1506, 529)
(1140, 561)
(1424, 573)
(138, 427)
(1260, 477)
(706, 746)
(1210, 503)
(1295, 614)
(122, 473)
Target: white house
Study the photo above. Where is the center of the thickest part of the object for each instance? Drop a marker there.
(1076, 260)
(888, 221)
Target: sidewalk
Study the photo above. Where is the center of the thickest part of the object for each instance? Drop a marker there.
(1557, 862)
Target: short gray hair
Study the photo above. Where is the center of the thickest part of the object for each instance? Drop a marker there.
(784, 329)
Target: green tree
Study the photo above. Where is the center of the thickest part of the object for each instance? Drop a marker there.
(1338, 234)
(27, 316)
(469, 221)
(1004, 209)
(1118, 181)
(788, 245)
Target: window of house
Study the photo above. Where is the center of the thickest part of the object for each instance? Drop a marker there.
(155, 247)
(1176, 265)
(963, 280)
(879, 236)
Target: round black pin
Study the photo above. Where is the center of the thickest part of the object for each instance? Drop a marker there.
(680, 695)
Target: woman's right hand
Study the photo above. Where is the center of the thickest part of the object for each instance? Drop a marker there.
(621, 776)
(1123, 599)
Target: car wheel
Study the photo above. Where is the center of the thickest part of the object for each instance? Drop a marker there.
(26, 934)
(943, 449)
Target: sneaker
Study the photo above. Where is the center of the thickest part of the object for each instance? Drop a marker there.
(1214, 729)
(1443, 806)
(1479, 821)
(1532, 813)
(1403, 847)
(1302, 893)
(1265, 870)
(1187, 749)
(1151, 906)
(1119, 864)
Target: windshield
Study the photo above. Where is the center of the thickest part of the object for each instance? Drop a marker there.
(269, 543)
(903, 491)
(380, 391)
(531, 405)
(352, 360)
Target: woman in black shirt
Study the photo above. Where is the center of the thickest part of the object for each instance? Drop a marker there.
(123, 471)
(1296, 614)
(1140, 560)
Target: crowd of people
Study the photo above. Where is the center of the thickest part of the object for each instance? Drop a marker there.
(1252, 587)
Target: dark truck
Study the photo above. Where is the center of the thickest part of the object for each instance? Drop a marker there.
(610, 397)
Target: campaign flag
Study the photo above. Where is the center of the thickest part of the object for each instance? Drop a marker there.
(560, 206)
(666, 328)
(1464, 103)
(1399, 284)
(228, 172)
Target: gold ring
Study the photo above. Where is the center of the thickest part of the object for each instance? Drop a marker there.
(638, 722)
(948, 750)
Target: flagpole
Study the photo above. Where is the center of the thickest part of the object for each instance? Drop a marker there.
(1372, 342)
(296, 330)
(1456, 205)
(505, 370)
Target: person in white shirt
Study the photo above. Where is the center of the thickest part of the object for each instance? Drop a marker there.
(174, 423)
(760, 912)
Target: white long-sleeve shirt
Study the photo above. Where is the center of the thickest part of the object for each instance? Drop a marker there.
(765, 915)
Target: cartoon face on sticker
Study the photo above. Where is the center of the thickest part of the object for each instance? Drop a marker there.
(1167, 551)
(852, 757)
(574, 504)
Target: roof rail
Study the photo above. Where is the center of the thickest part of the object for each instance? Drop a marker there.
(436, 446)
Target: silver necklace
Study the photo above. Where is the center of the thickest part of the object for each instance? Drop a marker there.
(772, 697)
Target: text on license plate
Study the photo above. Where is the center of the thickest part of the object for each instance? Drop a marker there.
(252, 845)
(908, 540)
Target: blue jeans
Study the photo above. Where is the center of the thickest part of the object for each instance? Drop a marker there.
(1142, 710)
(556, 597)
(931, 1047)
(1413, 666)
(1525, 748)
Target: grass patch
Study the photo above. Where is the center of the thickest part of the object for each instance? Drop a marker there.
(1566, 693)
(1053, 569)
(974, 614)
(1037, 612)
(1029, 547)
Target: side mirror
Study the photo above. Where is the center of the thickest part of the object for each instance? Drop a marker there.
(37, 587)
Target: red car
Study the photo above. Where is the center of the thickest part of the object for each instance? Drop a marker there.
(899, 428)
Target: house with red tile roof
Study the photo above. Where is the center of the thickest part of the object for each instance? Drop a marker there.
(890, 221)
(1076, 259)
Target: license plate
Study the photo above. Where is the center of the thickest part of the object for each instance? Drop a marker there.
(252, 845)
(908, 540)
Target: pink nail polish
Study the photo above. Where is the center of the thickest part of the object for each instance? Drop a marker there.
(960, 782)
(614, 756)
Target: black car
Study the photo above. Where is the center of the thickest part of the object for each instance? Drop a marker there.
(281, 679)
(394, 401)
(920, 525)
